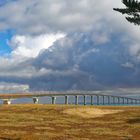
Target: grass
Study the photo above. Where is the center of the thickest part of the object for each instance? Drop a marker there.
(49, 122)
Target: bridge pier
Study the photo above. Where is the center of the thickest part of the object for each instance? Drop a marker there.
(127, 101)
(98, 99)
(84, 99)
(131, 101)
(66, 99)
(7, 101)
(113, 100)
(53, 99)
(122, 100)
(35, 100)
(118, 100)
(109, 100)
(91, 100)
(103, 99)
(76, 99)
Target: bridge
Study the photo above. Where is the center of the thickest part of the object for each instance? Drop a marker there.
(101, 99)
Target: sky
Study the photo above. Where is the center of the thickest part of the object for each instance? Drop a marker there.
(67, 45)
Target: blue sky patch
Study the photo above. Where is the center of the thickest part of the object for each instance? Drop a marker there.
(5, 36)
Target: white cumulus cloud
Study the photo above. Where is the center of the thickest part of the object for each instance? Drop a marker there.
(28, 46)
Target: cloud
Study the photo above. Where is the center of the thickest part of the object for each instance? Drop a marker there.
(134, 50)
(63, 45)
(75, 62)
(128, 65)
(41, 16)
(84, 64)
(12, 87)
(28, 46)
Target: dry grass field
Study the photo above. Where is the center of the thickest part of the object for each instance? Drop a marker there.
(60, 122)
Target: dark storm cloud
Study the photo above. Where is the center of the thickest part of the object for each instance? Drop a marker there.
(100, 49)
(78, 62)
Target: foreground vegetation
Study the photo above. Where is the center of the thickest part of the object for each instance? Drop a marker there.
(51, 122)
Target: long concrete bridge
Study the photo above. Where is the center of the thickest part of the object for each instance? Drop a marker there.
(101, 99)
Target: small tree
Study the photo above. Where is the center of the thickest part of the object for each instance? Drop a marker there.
(132, 10)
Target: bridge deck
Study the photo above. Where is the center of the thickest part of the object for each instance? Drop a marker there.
(30, 95)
